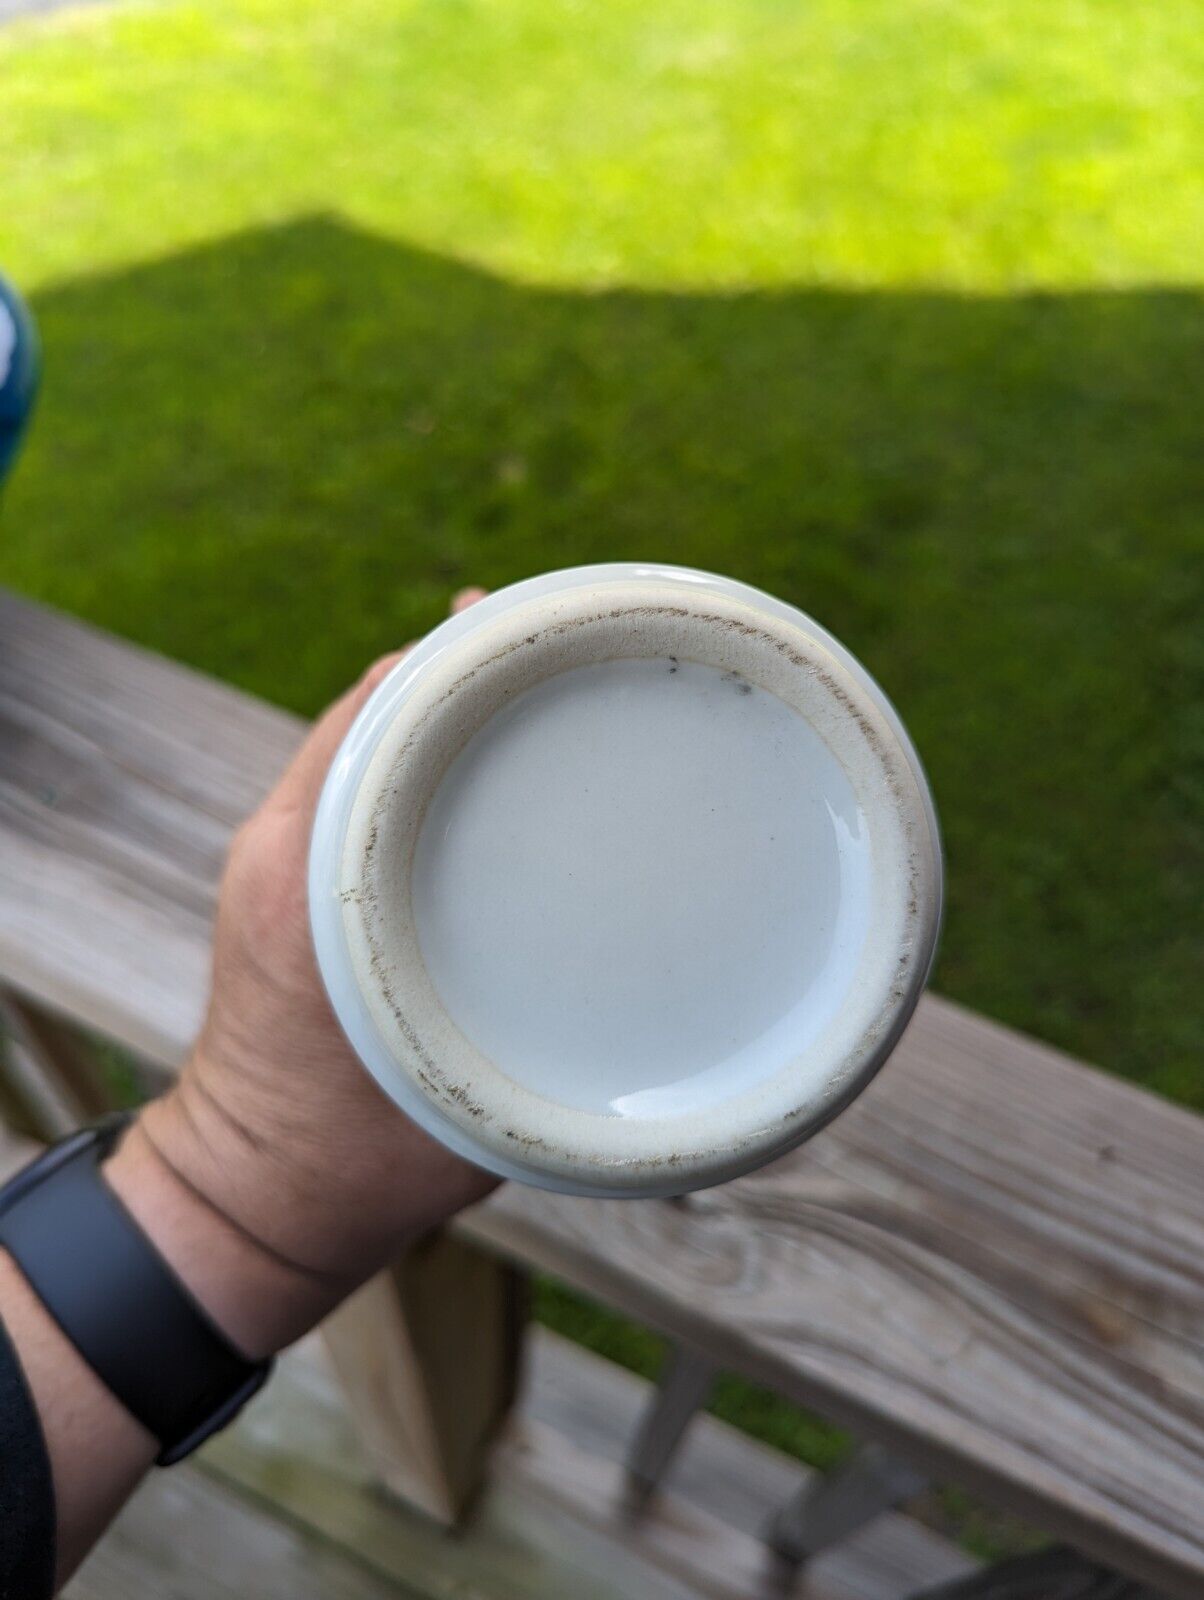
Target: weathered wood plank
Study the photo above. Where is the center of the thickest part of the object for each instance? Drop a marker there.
(993, 1263)
(552, 1522)
(188, 1537)
(722, 1473)
(121, 780)
(428, 1357)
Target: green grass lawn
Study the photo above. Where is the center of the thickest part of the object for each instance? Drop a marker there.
(893, 308)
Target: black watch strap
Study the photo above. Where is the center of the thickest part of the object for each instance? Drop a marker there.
(117, 1301)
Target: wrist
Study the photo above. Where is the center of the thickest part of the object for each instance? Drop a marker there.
(257, 1300)
(326, 1176)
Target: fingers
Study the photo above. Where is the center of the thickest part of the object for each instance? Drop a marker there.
(302, 780)
(377, 673)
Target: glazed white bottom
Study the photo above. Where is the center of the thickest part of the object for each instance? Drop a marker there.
(625, 880)
(641, 886)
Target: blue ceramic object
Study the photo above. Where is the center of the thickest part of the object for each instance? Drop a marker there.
(19, 368)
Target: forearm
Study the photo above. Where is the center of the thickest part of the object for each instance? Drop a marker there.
(97, 1450)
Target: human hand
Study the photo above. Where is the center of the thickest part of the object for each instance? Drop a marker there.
(311, 1178)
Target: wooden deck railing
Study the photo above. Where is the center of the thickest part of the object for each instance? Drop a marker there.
(991, 1267)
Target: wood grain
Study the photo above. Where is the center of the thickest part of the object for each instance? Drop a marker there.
(185, 1536)
(994, 1263)
(428, 1357)
(553, 1522)
(122, 777)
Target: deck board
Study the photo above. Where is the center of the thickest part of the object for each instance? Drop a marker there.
(552, 1521)
(187, 1536)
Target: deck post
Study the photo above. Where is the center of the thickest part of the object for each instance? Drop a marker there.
(49, 1070)
(427, 1354)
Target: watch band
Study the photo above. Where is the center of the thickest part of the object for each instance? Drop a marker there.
(117, 1300)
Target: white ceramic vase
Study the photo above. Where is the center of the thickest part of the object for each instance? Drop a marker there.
(626, 880)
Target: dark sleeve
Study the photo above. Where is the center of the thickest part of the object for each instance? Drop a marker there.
(26, 1490)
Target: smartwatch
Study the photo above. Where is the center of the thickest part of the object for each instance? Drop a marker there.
(117, 1300)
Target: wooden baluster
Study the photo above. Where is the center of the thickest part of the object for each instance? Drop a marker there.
(682, 1391)
(829, 1510)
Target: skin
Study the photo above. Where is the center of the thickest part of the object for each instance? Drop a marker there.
(274, 1177)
